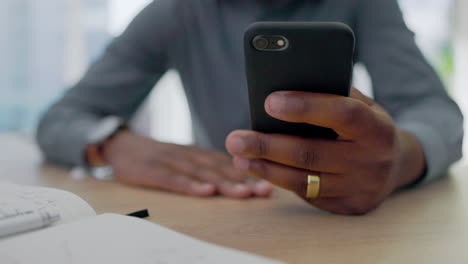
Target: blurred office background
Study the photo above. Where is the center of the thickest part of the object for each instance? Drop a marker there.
(46, 45)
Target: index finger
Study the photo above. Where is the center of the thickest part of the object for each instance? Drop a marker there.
(349, 117)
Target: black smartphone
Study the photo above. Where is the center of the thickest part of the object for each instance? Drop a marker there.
(296, 56)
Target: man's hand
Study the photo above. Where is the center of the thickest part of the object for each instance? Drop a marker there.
(371, 158)
(183, 169)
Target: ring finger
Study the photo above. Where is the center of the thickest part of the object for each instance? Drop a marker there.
(290, 178)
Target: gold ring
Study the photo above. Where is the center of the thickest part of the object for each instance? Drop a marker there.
(313, 186)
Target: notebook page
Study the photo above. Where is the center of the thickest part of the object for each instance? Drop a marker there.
(18, 199)
(116, 239)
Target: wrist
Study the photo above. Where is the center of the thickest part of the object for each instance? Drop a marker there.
(97, 155)
(113, 145)
(411, 160)
(103, 133)
(99, 165)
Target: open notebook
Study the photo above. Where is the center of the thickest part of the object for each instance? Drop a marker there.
(82, 237)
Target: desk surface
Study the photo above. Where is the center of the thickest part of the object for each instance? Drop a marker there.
(426, 225)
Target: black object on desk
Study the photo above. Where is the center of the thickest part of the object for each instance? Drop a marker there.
(140, 214)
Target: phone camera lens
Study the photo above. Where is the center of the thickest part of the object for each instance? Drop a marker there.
(260, 43)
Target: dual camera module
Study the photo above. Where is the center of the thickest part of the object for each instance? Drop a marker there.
(270, 43)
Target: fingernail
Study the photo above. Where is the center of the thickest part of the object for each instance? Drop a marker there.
(236, 145)
(263, 185)
(241, 163)
(240, 188)
(263, 188)
(276, 103)
(204, 188)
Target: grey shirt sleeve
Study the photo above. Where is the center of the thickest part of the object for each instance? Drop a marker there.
(406, 86)
(116, 84)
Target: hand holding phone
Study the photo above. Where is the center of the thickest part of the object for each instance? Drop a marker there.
(350, 175)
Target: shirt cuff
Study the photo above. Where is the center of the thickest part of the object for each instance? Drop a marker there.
(65, 144)
(435, 151)
(81, 131)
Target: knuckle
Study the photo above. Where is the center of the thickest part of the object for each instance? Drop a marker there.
(351, 112)
(259, 145)
(384, 165)
(306, 157)
(387, 132)
(376, 170)
(298, 106)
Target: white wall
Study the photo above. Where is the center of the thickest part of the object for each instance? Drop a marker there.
(461, 62)
(122, 12)
(164, 115)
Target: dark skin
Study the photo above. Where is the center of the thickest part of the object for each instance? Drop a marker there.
(189, 170)
(371, 159)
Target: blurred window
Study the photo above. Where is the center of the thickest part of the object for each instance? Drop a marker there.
(433, 22)
(45, 46)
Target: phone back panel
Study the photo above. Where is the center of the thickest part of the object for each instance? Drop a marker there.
(319, 59)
